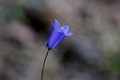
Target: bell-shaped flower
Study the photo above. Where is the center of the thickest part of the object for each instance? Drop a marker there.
(58, 34)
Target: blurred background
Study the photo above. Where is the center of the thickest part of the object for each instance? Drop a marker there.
(92, 53)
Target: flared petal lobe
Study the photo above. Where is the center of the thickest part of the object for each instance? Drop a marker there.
(65, 29)
(69, 34)
(57, 25)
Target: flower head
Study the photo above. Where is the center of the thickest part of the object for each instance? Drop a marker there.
(58, 34)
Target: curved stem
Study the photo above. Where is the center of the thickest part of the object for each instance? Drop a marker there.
(44, 65)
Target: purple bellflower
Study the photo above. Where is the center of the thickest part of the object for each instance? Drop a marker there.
(57, 35)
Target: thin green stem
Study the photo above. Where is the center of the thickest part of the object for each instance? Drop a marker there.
(44, 65)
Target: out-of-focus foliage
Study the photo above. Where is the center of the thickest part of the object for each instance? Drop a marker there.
(114, 63)
(17, 13)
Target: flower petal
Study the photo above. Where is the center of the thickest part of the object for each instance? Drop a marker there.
(58, 34)
(57, 25)
(53, 27)
(52, 36)
(65, 28)
(58, 39)
(69, 34)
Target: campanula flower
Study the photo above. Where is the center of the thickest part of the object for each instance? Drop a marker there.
(58, 34)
